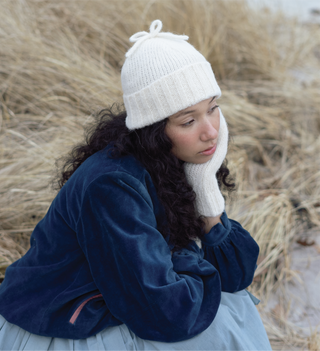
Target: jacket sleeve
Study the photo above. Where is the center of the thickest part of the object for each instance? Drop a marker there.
(159, 296)
(232, 250)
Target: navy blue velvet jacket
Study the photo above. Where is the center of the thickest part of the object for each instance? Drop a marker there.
(97, 259)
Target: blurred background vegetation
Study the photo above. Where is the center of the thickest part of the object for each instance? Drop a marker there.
(60, 63)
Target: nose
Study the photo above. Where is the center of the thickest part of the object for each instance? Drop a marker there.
(208, 131)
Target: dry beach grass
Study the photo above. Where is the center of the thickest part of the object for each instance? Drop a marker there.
(60, 62)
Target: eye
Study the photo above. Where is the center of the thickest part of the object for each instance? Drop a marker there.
(213, 108)
(188, 123)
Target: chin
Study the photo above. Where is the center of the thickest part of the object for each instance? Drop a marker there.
(198, 161)
(203, 159)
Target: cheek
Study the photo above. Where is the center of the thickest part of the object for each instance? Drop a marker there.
(182, 142)
(218, 123)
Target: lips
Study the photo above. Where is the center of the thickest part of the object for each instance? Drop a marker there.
(209, 148)
(209, 151)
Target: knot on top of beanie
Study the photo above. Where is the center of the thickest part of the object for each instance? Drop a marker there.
(155, 30)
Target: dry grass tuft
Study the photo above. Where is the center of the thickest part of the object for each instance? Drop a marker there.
(314, 342)
(60, 61)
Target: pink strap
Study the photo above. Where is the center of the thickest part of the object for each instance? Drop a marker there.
(78, 310)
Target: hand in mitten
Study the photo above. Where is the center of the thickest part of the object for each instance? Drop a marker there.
(202, 177)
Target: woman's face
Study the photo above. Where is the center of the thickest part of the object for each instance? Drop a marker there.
(194, 131)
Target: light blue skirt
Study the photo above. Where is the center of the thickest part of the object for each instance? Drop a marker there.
(237, 326)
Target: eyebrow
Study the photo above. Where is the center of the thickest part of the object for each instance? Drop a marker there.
(183, 113)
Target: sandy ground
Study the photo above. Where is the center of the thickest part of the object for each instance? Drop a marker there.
(292, 313)
(297, 301)
(304, 291)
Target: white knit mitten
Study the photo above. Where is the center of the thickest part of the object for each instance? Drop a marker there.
(202, 177)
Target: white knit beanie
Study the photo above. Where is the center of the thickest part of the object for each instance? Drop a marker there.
(163, 74)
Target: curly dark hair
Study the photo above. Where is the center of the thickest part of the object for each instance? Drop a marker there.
(151, 146)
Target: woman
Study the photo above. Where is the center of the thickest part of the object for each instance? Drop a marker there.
(136, 251)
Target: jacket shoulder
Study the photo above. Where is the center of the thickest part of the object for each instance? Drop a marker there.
(101, 163)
